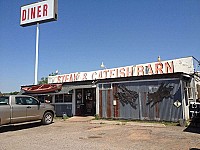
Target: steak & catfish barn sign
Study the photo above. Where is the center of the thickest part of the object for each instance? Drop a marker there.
(184, 65)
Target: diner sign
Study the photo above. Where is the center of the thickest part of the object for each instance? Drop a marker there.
(184, 65)
(40, 12)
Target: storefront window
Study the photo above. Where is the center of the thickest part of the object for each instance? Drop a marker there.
(63, 98)
(105, 86)
(43, 98)
(59, 98)
(67, 98)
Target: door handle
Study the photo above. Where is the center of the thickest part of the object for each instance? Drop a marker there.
(29, 107)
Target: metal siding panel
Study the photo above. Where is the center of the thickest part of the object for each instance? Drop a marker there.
(100, 104)
(127, 111)
(163, 110)
(104, 106)
(116, 108)
(109, 105)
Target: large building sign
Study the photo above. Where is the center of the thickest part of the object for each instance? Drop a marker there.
(184, 65)
(39, 12)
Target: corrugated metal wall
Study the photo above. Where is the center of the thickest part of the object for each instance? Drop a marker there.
(146, 100)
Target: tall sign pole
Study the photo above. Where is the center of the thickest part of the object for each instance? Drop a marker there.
(36, 54)
(36, 13)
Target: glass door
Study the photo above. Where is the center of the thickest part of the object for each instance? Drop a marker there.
(90, 101)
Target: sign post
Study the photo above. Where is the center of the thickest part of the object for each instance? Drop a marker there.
(36, 13)
(36, 54)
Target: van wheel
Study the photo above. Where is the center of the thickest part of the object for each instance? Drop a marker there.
(47, 118)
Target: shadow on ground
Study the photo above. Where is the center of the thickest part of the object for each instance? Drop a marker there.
(194, 126)
(19, 127)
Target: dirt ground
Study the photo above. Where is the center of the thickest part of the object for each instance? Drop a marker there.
(65, 135)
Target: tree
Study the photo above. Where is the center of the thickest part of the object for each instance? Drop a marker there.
(44, 80)
(13, 93)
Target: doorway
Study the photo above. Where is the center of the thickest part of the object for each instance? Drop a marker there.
(86, 102)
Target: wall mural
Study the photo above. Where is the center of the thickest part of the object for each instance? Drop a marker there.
(127, 96)
(164, 91)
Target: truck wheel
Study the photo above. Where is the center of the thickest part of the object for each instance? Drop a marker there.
(47, 118)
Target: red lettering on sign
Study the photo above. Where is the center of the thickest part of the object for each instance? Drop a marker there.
(77, 76)
(112, 74)
(28, 13)
(66, 77)
(100, 74)
(122, 72)
(33, 13)
(94, 76)
(158, 68)
(39, 11)
(169, 68)
(85, 76)
(71, 78)
(106, 73)
(150, 70)
(140, 70)
(45, 7)
(116, 73)
(59, 79)
(23, 15)
(129, 71)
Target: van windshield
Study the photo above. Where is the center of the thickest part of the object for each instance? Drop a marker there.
(4, 100)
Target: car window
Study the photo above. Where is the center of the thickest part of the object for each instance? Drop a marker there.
(19, 101)
(25, 101)
(4, 100)
(30, 101)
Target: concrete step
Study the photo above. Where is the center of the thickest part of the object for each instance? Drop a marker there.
(80, 119)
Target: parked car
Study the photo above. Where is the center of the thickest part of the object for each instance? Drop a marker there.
(23, 108)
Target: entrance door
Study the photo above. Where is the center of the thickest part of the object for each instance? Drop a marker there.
(86, 102)
(90, 101)
(79, 102)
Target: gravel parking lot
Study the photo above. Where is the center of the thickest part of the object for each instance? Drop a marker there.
(62, 135)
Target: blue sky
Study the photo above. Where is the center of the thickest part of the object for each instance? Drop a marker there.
(87, 32)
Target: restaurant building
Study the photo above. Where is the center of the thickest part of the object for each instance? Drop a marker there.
(161, 91)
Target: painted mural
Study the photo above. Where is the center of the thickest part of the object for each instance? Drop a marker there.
(146, 100)
(127, 96)
(164, 91)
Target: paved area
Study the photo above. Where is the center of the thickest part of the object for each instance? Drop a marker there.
(87, 135)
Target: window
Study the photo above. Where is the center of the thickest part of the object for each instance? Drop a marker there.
(44, 98)
(19, 101)
(4, 100)
(67, 98)
(190, 91)
(26, 101)
(63, 98)
(30, 101)
(105, 86)
(59, 98)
